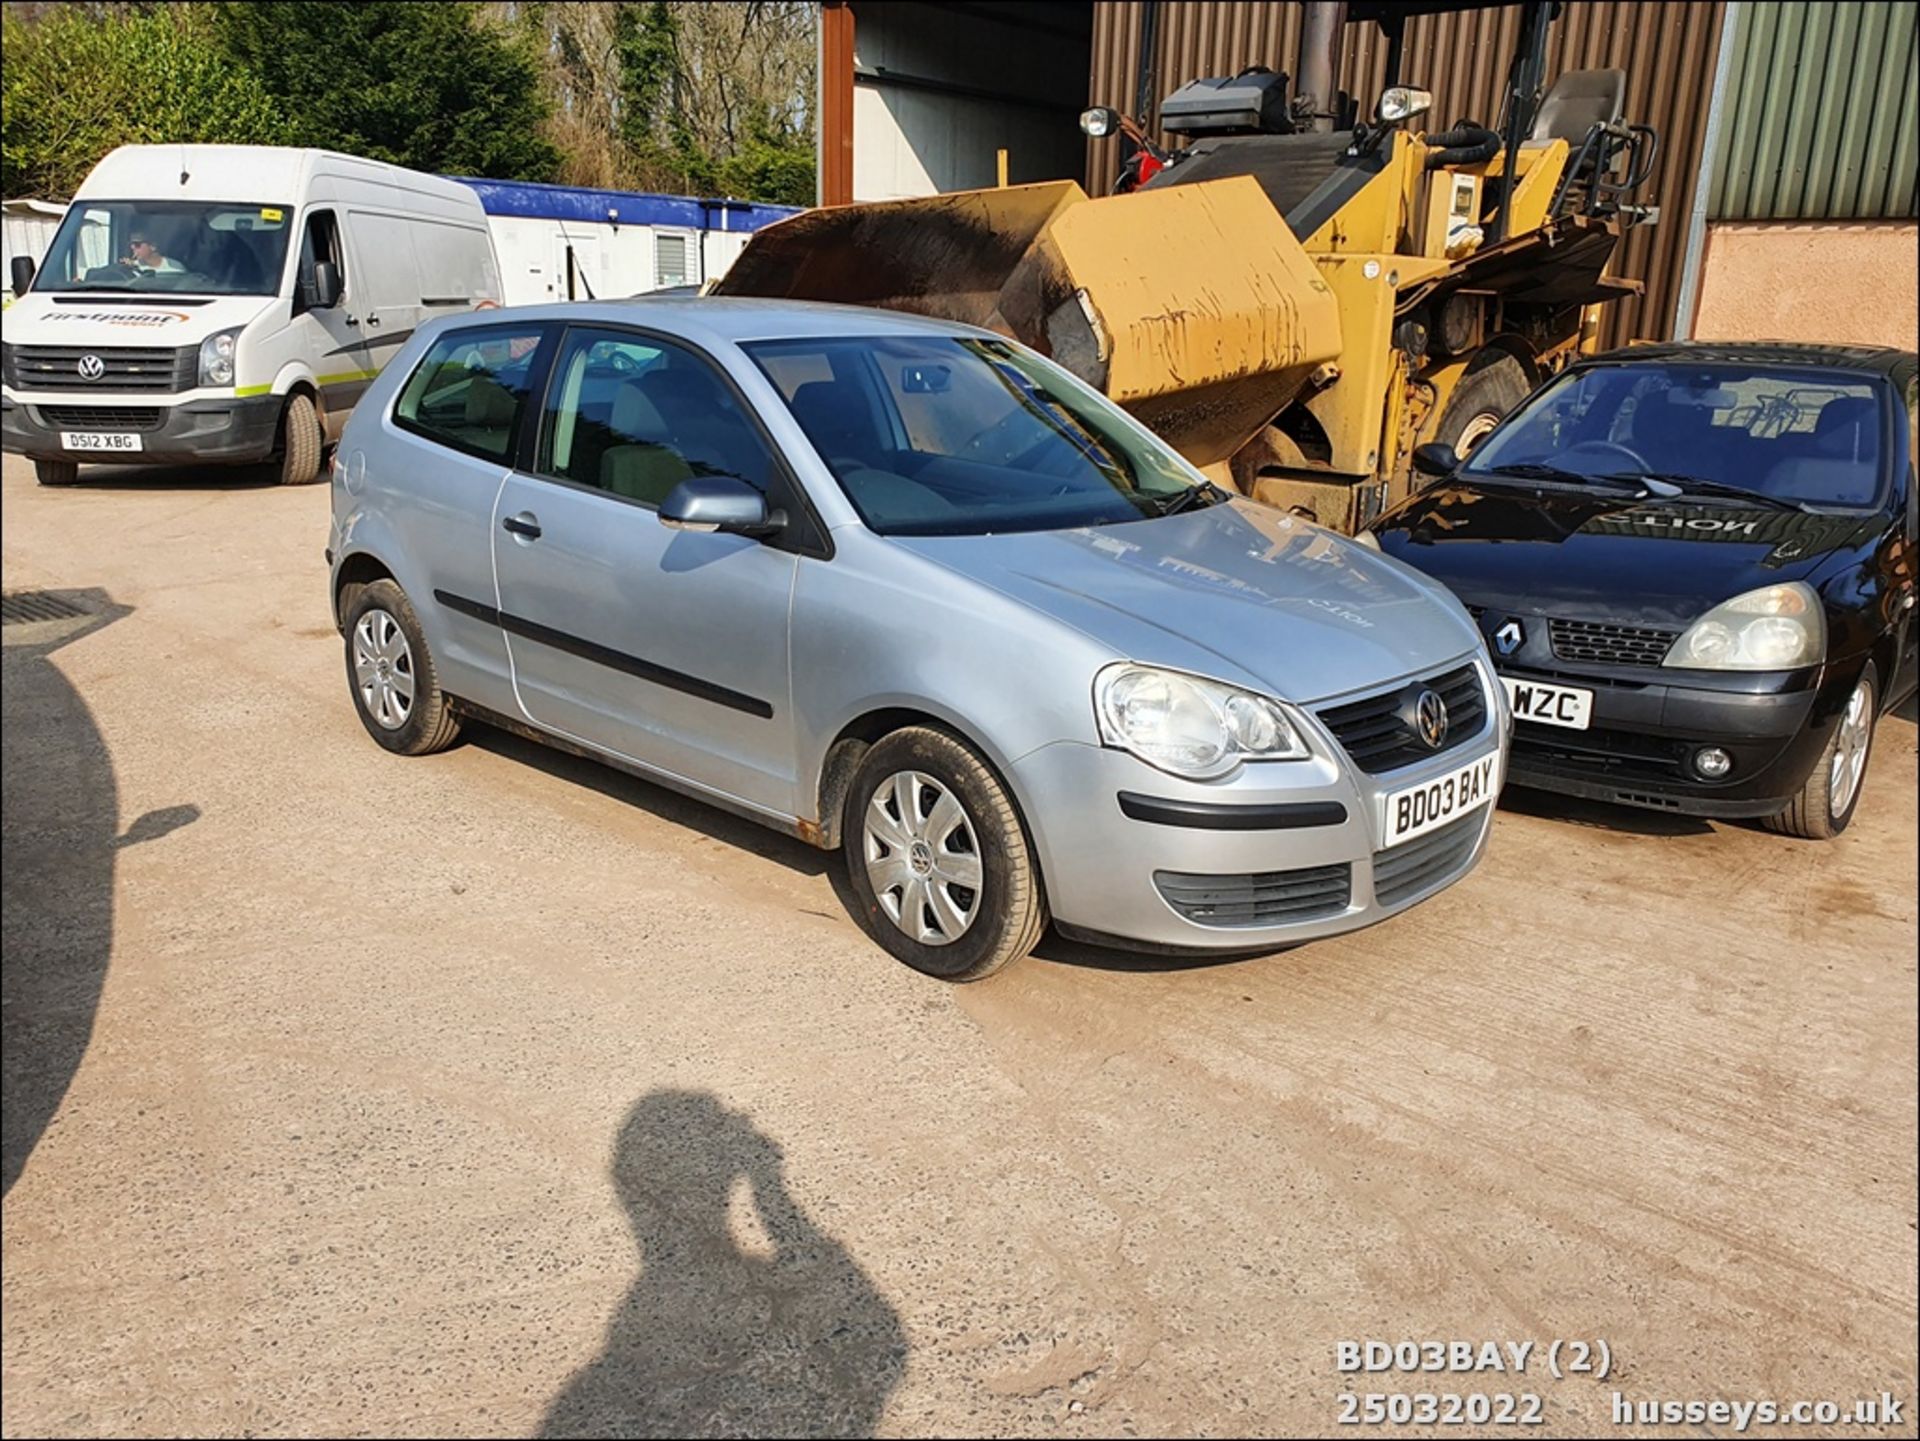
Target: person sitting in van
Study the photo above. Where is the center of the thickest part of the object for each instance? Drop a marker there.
(143, 253)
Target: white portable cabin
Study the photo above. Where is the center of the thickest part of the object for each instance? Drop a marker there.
(29, 231)
(562, 242)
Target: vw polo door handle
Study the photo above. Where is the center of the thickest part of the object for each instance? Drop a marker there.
(524, 525)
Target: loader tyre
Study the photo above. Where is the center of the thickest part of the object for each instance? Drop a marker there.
(1481, 400)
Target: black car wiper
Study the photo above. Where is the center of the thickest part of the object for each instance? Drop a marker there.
(1700, 485)
(1190, 497)
(1540, 470)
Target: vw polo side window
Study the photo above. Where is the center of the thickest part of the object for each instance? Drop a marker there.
(634, 416)
(471, 390)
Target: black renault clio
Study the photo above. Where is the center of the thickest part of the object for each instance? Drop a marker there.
(1694, 566)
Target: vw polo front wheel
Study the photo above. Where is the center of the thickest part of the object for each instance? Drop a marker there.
(939, 859)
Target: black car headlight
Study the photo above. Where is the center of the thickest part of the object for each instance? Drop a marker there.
(1777, 627)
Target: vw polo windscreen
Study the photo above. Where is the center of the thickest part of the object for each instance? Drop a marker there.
(950, 435)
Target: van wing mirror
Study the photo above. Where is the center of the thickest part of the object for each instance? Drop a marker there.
(326, 285)
(22, 275)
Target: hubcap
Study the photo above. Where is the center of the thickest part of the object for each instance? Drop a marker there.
(383, 669)
(1850, 755)
(922, 858)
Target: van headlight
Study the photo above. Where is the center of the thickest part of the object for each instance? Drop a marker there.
(1777, 627)
(1190, 726)
(216, 358)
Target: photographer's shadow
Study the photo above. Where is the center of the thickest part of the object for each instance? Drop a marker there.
(714, 1338)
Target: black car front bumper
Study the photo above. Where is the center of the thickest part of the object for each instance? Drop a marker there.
(227, 430)
(1648, 723)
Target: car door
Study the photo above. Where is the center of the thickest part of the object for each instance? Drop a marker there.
(668, 648)
(455, 426)
(1906, 583)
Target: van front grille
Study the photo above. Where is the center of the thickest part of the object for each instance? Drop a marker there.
(101, 417)
(59, 367)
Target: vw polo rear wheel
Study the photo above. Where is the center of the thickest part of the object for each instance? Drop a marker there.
(390, 671)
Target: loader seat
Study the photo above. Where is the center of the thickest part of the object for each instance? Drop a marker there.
(1578, 101)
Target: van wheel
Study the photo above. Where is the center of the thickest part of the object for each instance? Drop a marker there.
(1481, 399)
(1827, 801)
(56, 472)
(300, 442)
(939, 859)
(390, 672)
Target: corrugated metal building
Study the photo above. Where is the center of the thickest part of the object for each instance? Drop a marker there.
(1815, 175)
(1786, 129)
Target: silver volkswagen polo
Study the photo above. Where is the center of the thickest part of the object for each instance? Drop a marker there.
(906, 589)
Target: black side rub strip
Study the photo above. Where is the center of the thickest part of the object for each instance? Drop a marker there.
(599, 654)
(1209, 816)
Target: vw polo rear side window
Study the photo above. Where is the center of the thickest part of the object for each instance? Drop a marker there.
(471, 390)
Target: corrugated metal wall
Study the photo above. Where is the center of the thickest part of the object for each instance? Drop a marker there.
(1822, 120)
(1668, 51)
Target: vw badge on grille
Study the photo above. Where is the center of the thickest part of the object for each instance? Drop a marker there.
(1430, 718)
(91, 367)
(1508, 638)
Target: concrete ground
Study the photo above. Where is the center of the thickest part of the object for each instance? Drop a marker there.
(496, 1093)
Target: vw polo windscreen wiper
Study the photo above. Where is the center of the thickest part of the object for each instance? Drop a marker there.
(1193, 495)
(1700, 485)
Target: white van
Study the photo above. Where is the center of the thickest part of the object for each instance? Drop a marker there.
(228, 304)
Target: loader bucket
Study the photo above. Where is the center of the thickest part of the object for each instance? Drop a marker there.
(1194, 307)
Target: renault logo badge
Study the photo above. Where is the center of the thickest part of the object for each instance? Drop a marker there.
(1508, 638)
(91, 367)
(1430, 718)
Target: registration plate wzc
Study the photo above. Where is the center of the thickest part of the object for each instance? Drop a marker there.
(1551, 705)
(99, 440)
(1419, 809)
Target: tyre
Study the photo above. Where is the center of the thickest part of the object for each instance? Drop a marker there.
(1481, 399)
(300, 440)
(56, 472)
(390, 673)
(1827, 801)
(939, 859)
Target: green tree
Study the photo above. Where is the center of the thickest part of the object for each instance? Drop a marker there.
(75, 85)
(432, 86)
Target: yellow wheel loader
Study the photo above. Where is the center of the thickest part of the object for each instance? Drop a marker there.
(1294, 300)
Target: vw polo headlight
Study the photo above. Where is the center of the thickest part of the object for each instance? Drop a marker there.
(1190, 726)
(216, 358)
(1778, 627)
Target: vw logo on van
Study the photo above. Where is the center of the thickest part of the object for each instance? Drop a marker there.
(91, 367)
(1430, 718)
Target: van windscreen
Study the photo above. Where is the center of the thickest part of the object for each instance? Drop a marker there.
(197, 247)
